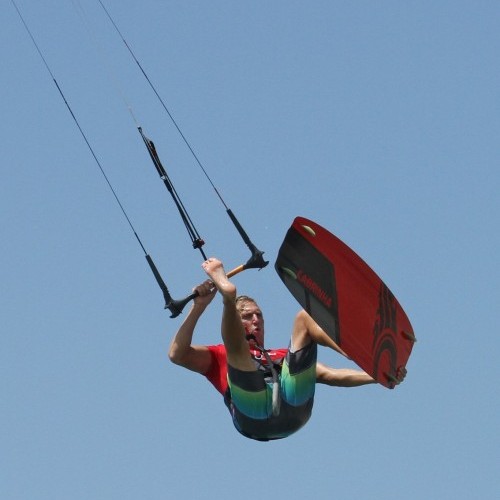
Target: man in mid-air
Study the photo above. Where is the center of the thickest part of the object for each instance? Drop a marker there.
(245, 373)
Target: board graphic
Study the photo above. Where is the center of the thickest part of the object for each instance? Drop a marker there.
(347, 299)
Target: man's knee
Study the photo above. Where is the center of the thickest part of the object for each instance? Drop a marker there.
(302, 318)
(300, 333)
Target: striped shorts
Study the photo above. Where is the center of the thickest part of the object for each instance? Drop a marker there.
(249, 397)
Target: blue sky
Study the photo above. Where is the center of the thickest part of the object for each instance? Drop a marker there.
(379, 120)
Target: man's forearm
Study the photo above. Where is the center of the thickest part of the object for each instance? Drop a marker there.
(343, 377)
(181, 343)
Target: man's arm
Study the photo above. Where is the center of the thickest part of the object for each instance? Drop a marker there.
(344, 377)
(341, 377)
(182, 352)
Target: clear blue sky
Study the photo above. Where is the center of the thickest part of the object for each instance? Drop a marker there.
(379, 120)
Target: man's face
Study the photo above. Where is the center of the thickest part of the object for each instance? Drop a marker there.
(253, 321)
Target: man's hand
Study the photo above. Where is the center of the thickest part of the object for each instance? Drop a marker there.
(400, 375)
(206, 292)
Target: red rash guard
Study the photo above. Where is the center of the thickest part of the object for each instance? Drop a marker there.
(217, 374)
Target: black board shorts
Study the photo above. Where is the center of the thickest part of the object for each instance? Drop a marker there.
(249, 397)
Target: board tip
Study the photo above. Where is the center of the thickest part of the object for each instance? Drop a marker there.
(309, 229)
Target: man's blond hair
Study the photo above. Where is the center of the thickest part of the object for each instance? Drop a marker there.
(241, 300)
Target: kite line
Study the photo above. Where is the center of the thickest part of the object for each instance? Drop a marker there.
(175, 306)
(256, 260)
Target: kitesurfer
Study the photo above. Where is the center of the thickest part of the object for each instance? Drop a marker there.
(242, 371)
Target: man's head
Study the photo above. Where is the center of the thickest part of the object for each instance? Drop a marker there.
(251, 317)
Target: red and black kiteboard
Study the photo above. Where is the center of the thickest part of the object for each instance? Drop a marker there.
(347, 299)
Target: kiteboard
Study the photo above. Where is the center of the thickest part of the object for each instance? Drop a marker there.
(347, 299)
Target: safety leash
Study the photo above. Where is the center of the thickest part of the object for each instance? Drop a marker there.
(276, 400)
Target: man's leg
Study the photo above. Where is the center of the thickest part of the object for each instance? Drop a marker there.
(233, 332)
(298, 375)
(305, 330)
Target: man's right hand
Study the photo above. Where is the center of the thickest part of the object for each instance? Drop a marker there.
(206, 292)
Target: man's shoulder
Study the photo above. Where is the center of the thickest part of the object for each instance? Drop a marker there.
(216, 348)
(217, 351)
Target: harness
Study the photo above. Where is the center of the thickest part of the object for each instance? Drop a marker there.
(271, 368)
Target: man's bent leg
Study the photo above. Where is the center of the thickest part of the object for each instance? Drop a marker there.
(232, 330)
(305, 330)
